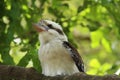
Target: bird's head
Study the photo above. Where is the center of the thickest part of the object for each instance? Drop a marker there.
(49, 30)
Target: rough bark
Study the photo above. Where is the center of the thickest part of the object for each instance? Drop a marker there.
(19, 73)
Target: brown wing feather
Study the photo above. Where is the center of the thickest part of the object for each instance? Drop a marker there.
(75, 55)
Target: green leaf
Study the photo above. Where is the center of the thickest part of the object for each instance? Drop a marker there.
(25, 60)
(35, 60)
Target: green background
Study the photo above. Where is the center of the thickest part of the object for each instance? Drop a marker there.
(92, 26)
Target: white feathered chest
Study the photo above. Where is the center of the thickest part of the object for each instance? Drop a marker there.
(55, 59)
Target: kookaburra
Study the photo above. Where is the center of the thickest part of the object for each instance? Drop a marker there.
(56, 54)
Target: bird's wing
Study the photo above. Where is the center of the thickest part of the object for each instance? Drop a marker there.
(75, 56)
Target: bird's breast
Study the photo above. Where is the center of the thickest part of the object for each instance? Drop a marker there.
(56, 60)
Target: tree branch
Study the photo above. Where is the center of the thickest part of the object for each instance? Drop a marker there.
(8, 72)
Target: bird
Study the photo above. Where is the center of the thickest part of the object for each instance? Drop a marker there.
(56, 54)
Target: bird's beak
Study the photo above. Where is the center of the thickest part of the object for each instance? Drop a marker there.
(41, 26)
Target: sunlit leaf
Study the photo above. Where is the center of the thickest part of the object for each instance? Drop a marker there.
(96, 37)
(94, 63)
(106, 45)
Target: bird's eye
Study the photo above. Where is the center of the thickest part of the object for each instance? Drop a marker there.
(50, 26)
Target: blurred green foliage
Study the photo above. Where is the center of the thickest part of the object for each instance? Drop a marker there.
(93, 26)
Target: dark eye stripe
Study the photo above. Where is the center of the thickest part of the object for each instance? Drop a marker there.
(58, 30)
(50, 26)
